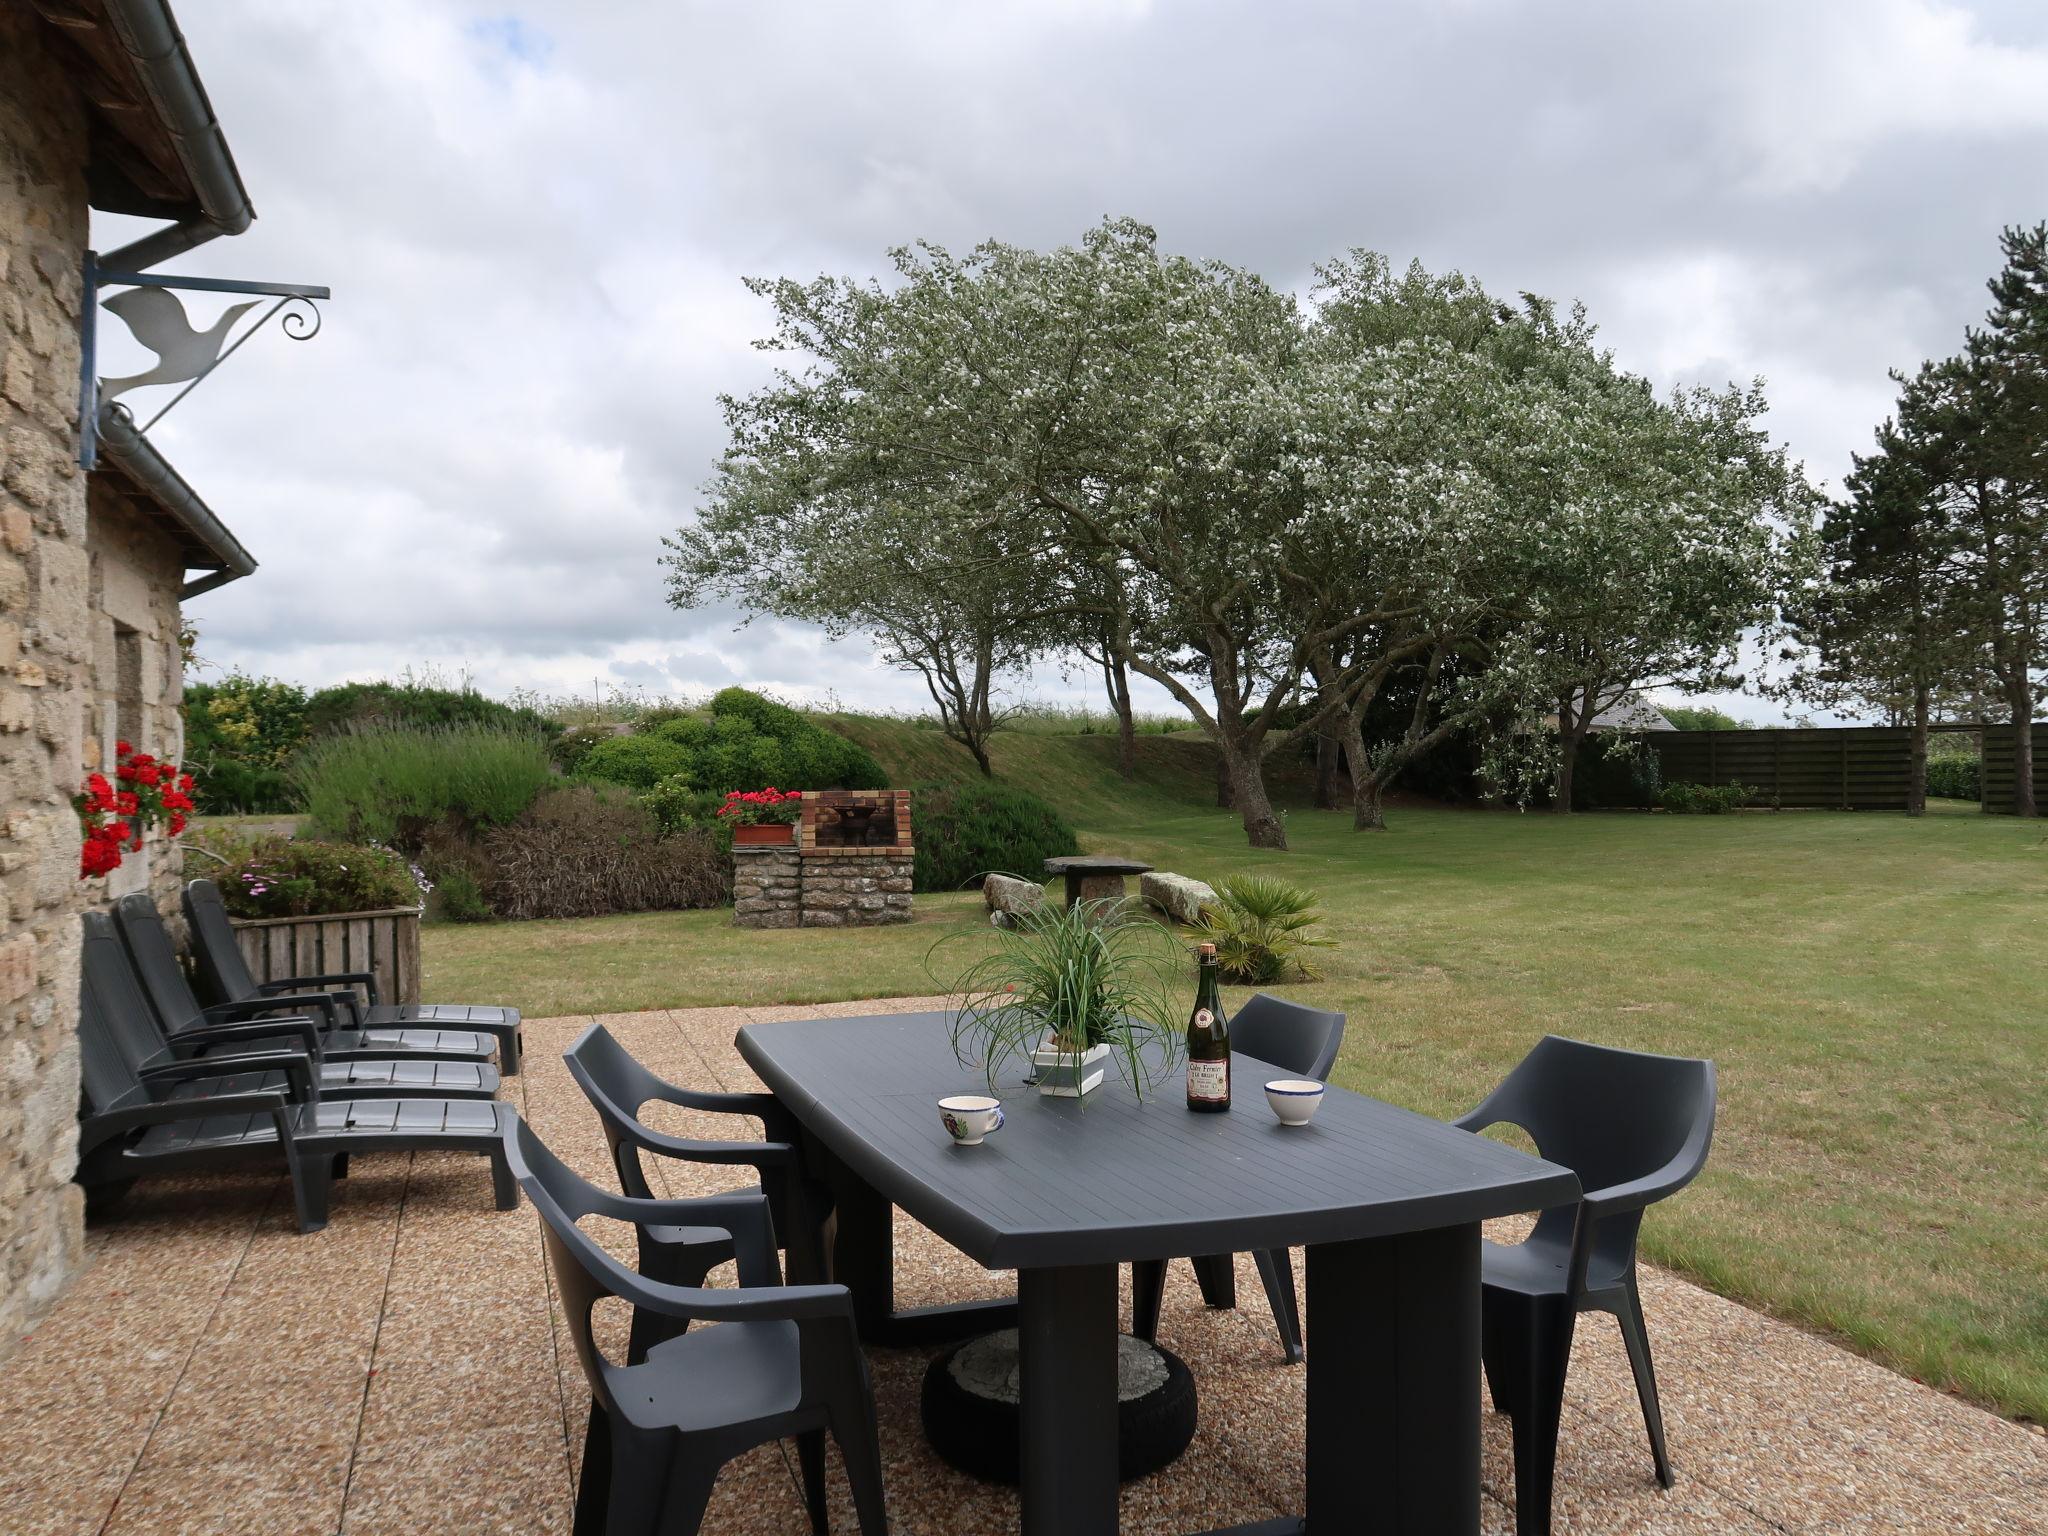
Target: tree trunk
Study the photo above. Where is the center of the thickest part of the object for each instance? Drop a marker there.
(2023, 743)
(1571, 730)
(1367, 814)
(1226, 796)
(1327, 751)
(1916, 755)
(1117, 678)
(1262, 828)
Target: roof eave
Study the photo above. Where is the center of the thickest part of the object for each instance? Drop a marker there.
(124, 448)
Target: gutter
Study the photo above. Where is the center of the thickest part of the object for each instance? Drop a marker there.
(122, 446)
(157, 49)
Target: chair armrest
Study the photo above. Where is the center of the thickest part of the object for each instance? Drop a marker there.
(321, 1003)
(775, 1119)
(98, 1130)
(757, 1154)
(1636, 1193)
(745, 1216)
(301, 1030)
(363, 979)
(298, 1069)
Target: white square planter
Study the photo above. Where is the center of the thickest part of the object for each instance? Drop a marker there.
(1063, 1075)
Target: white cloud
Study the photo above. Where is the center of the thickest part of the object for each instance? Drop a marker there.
(536, 220)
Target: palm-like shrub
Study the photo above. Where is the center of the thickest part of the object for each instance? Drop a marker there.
(1080, 976)
(1260, 927)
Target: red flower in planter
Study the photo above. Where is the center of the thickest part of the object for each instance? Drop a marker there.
(752, 808)
(113, 820)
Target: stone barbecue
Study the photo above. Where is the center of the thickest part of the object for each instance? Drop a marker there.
(850, 865)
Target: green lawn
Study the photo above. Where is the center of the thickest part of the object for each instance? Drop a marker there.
(1871, 986)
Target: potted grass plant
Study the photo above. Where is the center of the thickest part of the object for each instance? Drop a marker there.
(1070, 989)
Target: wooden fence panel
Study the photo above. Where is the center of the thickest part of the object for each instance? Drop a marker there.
(2000, 783)
(386, 944)
(1860, 768)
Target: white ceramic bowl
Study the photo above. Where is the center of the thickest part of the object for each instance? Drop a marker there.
(1294, 1099)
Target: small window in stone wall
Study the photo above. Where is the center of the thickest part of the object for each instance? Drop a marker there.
(128, 712)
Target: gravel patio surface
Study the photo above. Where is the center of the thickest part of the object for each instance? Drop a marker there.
(406, 1370)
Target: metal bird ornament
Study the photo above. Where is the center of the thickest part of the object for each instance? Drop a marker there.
(155, 318)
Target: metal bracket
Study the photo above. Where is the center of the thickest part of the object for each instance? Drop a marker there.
(185, 355)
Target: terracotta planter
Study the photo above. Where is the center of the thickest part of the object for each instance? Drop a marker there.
(764, 834)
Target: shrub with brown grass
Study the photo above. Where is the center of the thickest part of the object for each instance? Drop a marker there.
(583, 850)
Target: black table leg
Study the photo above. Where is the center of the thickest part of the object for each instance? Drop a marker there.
(864, 1261)
(1067, 1416)
(1393, 1384)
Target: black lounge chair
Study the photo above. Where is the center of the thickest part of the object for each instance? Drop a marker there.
(348, 1065)
(781, 1361)
(448, 1029)
(113, 964)
(1634, 1128)
(1299, 1040)
(617, 1086)
(145, 1114)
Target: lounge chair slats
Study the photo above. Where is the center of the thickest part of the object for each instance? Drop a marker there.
(224, 978)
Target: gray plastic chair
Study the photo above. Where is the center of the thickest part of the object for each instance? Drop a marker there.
(618, 1086)
(1297, 1039)
(781, 1360)
(347, 1064)
(454, 1031)
(1635, 1128)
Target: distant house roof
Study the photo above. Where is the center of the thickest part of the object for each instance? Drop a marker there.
(1632, 712)
(131, 465)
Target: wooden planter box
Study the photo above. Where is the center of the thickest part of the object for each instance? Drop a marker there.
(386, 944)
(765, 834)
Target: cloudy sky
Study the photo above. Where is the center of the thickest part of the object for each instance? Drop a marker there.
(535, 222)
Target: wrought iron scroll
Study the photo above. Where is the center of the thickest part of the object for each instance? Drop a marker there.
(184, 354)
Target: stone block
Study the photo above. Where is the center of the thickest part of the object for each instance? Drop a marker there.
(1004, 894)
(1178, 896)
(813, 919)
(17, 968)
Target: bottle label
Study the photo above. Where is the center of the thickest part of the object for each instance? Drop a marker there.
(1204, 1017)
(1209, 1081)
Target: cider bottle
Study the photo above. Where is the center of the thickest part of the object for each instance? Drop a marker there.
(1208, 1042)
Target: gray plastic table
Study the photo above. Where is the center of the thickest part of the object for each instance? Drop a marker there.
(1387, 1202)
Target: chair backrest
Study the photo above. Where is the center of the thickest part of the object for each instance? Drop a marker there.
(1292, 1036)
(216, 957)
(115, 1031)
(616, 1085)
(581, 1266)
(156, 962)
(1607, 1114)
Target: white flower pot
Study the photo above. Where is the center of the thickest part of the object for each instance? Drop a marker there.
(1063, 1075)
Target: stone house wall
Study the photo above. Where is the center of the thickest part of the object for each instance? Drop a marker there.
(46, 656)
(137, 670)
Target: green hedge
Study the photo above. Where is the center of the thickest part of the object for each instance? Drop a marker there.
(970, 828)
(745, 742)
(395, 785)
(1955, 778)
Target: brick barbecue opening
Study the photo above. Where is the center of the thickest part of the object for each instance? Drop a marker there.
(850, 866)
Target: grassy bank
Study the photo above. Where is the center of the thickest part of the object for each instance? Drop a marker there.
(1870, 986)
